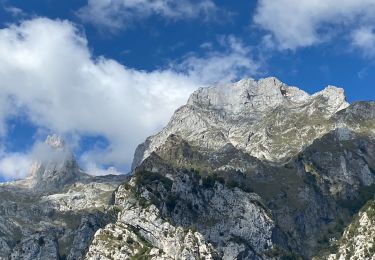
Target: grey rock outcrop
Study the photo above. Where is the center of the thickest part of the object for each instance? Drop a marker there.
(55, 167)
(358, 240)
(54, 212)
(167, 211)
(258, 117)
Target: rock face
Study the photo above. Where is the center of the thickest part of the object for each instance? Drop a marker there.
(141, 230)
(254, 170)
(358, 240)
(249, 170)
(55, 168)
(258, 117)
(233, 221)
(55, 212)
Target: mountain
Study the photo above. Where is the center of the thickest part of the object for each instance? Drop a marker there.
(257, 117)
(254, 170)
(54, 168)
(54, 212)
(247, 170)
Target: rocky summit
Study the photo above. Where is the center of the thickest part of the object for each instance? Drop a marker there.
(248, 170)
(54, 212)
(266, 119)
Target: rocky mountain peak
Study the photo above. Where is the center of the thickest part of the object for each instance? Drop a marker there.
(335, 98)
(249, 95)
(55, 141)
(246, 94)
(54, 165)
(254, 116)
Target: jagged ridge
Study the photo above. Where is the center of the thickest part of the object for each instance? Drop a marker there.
(258, 117)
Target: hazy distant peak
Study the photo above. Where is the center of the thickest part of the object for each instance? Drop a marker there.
(55, 141)
(54, 165)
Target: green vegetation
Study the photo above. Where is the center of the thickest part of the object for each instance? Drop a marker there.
(280, 253)
(365, 193)
(369, 208)
(145, 178)
(71, 219)
(144, 246)
(129, 240)
(143, 254)
(208, 182)
(235, 180)
(311, 180)
(151, 181)
(64, 245)
(233, 183)
(171, 202)
(351, 232)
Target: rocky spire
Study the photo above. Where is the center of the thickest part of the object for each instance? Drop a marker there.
(54, 166)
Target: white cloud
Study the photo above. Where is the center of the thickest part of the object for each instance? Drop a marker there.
(14, 166)
(295, 24)
(17, 165)
(93, 169)
(364, 38)
(118, 14)
(49, 76)
(14, 11)
(231, 62)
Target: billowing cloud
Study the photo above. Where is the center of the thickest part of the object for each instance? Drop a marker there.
(49, 76)
(17, 165)
(236, 59)
(14, 165)
(295, 24)
(119, 14)
(364, 38)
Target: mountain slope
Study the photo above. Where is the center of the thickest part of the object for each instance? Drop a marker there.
(211, 212)
(358, 240)
(258, 169)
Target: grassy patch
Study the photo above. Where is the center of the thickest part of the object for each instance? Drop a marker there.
(280, 253)
(145, 178)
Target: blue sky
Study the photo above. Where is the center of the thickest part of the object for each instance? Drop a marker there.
(106, 74)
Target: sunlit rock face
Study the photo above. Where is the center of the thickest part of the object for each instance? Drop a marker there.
(266, 118)
(358, 240)
(221, 222)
